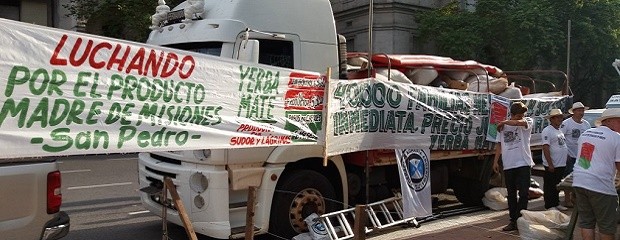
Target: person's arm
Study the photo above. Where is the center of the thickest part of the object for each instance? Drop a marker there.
(521, 122)
(516, 123)
(547, 154)
(498, 152)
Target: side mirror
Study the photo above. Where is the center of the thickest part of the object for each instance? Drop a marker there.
(248, 51)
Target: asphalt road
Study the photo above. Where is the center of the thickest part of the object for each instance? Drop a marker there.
(100, 194)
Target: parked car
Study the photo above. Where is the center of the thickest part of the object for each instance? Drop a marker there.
(31, 200)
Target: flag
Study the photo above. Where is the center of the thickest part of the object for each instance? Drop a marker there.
(415, 181)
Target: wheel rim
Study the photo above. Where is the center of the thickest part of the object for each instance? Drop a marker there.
(306, 202)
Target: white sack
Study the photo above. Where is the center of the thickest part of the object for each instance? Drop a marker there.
(543, 225)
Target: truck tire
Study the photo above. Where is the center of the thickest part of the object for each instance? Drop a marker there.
(469, 191)
(299, 194)
(472, 181)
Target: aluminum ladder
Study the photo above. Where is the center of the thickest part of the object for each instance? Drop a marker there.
(382, 214)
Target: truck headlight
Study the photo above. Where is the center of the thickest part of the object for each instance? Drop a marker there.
(199, 201)
(198, 182)
(202, 154)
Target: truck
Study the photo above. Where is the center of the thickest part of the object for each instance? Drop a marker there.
(31, 200)
(292, 181)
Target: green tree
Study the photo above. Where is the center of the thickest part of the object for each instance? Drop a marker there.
(532, 34)
(124, 19)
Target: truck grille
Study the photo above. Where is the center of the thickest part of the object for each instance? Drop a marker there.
(165, 159)
(171, 175)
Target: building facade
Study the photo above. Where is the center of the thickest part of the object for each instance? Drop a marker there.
(49, 13)
(395, 29)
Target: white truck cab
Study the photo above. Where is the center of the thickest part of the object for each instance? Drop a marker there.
(213, 183)
(591, 115)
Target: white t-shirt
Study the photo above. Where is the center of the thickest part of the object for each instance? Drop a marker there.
(572, 130)
(595, 168)
(515, 142)
(557, 146)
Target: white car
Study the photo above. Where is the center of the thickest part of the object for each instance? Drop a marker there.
(591, 115)
(31, 200)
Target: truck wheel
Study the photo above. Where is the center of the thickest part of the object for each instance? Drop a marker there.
(472, 181)
(298, 195)
(469, 191)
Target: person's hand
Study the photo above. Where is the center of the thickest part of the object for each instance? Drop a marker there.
(551, 168)
(495, 167)
(500, 125)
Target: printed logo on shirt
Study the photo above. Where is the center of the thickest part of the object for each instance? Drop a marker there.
(561, 140)
(575, 133)
(510, 136)
(587, 149)
(546, 138)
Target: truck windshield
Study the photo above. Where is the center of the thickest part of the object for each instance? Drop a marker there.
(211, 48)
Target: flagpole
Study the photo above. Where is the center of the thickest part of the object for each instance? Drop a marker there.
(568, 60)
(370, 23)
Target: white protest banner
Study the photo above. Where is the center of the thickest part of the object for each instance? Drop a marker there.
(538, 108)
(65, 93)
(374, 114)
(371, 114)
(415, 184)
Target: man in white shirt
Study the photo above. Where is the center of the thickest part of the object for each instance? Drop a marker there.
(594, 174)
(554, 159)
(572, 128)
(514, 147)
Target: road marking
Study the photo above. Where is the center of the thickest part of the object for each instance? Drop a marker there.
(75, 171)
(139, 212)
(99, 185)
(122, 159)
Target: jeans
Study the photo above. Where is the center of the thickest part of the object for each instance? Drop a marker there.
(551, 180)
(570, 163)
(517, 179)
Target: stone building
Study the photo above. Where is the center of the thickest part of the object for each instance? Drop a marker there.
(395, 29)
(49, 13)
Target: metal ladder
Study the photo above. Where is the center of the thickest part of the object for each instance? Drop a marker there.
(378, 212)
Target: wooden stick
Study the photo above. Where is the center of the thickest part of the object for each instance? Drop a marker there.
(189, 228)
(249, 216)
(359, 227)
(325, 113)
(164, 215)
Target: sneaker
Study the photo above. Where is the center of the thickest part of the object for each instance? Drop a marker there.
(510, 227)
(561, 208)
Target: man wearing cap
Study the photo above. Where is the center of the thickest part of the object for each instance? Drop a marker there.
(554, 159)
(514, 147)
(593, 176)
(572, 128)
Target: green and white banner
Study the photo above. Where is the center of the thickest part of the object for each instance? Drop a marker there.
(66, 93)
(374, 114)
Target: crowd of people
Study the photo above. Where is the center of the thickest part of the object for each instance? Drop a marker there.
(570, 145)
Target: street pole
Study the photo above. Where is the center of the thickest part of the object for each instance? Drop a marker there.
(370, 23)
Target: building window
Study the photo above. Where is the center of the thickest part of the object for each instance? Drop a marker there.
(350, 45)
(10, 10)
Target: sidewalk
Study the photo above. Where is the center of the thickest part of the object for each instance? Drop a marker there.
(485, 224)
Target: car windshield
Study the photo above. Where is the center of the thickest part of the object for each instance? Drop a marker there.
(211, 48)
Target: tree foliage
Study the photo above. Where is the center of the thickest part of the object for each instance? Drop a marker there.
(532, 34)
(124, 19)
